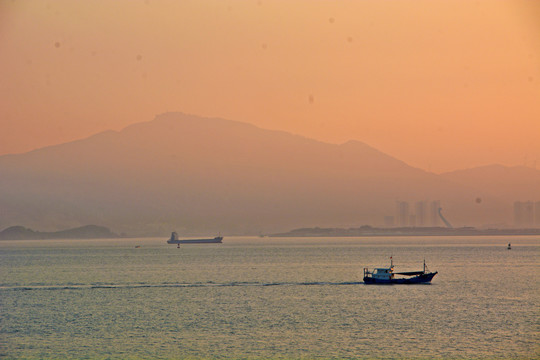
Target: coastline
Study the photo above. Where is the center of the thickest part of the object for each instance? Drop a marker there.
(404, 231)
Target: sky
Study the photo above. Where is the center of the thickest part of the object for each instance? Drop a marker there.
(441, 85)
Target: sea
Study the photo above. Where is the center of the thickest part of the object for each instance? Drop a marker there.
(269, 298)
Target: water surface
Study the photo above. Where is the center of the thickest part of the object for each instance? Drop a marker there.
(287, 298)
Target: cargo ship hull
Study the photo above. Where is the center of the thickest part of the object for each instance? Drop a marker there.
(216, 240)
(174, 240)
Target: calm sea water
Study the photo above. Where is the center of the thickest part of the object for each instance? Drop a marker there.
(266, 298)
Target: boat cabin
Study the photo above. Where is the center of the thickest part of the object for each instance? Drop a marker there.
(381, 273)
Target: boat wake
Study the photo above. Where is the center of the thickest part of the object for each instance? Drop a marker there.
(167, 285)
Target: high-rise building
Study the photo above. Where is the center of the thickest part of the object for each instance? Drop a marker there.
(434, 213)
(518, 213)
(402, 213)
(412, 220)
(537, 213)
(529, 213)
(424, 213)
(420, 212)
(523, 213)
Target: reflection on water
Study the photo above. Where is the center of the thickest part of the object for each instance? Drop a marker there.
(268, 298)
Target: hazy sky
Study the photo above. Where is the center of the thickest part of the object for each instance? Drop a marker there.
(442, 85)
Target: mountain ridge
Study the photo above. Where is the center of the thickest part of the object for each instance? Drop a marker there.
(207, 175)
(18, 232)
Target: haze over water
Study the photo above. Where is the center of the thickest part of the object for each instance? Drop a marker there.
(258, 117)
(269, 298)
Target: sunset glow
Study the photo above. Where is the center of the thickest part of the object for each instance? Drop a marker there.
(441, 85)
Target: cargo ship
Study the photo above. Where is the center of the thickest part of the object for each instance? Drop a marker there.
(174, 240)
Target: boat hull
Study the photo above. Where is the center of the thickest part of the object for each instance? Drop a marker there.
(216, 240)
(419, 279)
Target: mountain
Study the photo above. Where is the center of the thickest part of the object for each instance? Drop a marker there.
(510, 183)
(201, 175)
(83, 232)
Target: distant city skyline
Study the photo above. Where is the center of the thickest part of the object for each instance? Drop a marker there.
(526, 213)
(419, 218)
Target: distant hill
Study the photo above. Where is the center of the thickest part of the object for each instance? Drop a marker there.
(197, 175)
(512, 183)
(368, 231)
(83, 232)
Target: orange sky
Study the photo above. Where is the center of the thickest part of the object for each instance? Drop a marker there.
(442, 85)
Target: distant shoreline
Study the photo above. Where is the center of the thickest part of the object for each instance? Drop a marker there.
(100, 232)
(83, 232)
(406, 231)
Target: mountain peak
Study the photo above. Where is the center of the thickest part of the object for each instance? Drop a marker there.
(351, 143)
(208, 175)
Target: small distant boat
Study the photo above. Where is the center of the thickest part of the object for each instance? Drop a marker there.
(388, 276)
(137, 246)
(174, 240)
(509, 247)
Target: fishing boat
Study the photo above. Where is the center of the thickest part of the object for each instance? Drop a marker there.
(388, 276)
(174, 240)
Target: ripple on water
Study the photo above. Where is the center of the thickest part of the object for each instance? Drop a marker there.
(271, 301)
